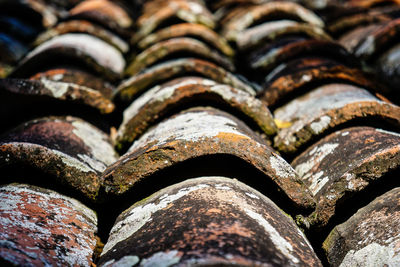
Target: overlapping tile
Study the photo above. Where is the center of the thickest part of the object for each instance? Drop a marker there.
(180, 45)
(94, 53)
(72, 151)
(282, 50)
(370, 237)
(168, 70)
(41, 227)
(158, 101)
(344, 164)
(307, 117)
(221, 222)
(197, 133)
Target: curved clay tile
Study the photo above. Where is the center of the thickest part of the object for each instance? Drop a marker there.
(69, 149)
(348, 23)
(243, 21)
(281, 87)
(32, 9)
(249, 228)
(41, 227)
(177, 46)
(373, 43)
(369, 237)
(82, 26)
(344, 164)
(105, 13)
(352, 39)
(276, 53)
(198, 133)
(77, 77)
(197, 31)
(83, 48)
(270, 31)
(158, 101)
(326, 107)
(175, 68)
(370, 3)
(187, 11)
(389, 68)
(47, 89)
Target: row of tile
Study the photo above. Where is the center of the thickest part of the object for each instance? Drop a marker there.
(74, 153)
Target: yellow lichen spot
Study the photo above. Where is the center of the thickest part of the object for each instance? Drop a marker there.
(282, 124)
(231, 136)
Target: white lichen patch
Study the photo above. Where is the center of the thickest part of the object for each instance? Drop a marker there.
(281, 167)
(252, 195)
(317, 183)
(19, 201)
(372, 255)
(366, 48)
(280, 243)
(138, 216)
(190, 126)
(161, 259)
(57, 89)
(73, 162)
(231, 94)
(103, 53)
(94, 164)
(126, 261)
(97, 142)
(317, 154)
(320, 125)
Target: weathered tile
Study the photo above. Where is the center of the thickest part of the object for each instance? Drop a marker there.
(36, 11)
(344, 164)
(299, 76)
(103, 12)
(270, 31)
(170, 69)
(353, 38)
(177, 46)
(326, 107)
(197, 31)
(377, 39)
(241, 22)
(157, 12)
(71, 150)
(371, 237)
(83, 48)
(40, 227)
(78, 77)
(350, 22)
(207, 221)
(197, 133)
(62, 91)
(83, 26)
(158, 101)
(388, 67)
(285, 50)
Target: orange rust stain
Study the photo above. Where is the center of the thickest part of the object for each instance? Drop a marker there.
(213, 210)
(369, 140)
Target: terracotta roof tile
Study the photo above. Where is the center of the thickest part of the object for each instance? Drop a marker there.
(188, 85)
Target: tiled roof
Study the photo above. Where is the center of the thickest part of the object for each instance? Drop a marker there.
(199, 133)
